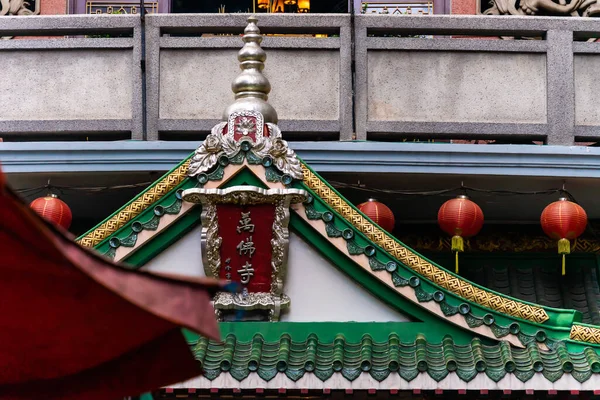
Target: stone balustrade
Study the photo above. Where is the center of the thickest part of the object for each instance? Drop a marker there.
(334, 77)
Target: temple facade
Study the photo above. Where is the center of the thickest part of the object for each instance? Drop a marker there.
(329, 304)
(131, 116)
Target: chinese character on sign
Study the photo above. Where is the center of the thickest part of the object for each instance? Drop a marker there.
(246, 247)
(245, 224)
(228, 269)
(246, 272)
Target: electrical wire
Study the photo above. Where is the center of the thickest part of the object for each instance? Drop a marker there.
(335, 184)
(83, 189)
(462, 188)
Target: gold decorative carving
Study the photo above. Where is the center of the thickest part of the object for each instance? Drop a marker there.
(134, 209)
(421, 266)
(584, 333)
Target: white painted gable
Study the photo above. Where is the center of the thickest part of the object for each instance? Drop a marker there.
(318, 291)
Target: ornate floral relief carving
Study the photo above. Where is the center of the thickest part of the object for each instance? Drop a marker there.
(19, 7)
(279, 244)
(247, 127)
(576, 8)
(211, 241)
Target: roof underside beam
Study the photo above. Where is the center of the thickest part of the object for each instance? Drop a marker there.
(375, 157)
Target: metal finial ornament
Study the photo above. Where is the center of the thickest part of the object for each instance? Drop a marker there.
(251, 87)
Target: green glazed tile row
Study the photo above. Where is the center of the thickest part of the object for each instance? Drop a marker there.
(380, 359)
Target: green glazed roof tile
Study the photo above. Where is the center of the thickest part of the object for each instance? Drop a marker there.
(380, 359)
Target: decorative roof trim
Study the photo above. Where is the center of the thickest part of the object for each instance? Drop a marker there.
(500, 333)
(585, 333)
(394, 249)
(134, 208)
(420, 265)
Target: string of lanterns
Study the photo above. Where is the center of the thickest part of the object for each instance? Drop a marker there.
(461, 218)
(562, 220)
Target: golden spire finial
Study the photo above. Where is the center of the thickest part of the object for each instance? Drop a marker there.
(251, 87)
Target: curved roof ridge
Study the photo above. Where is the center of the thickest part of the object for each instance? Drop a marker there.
(480, 307)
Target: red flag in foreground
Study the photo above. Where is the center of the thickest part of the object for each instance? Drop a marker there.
(76, 326)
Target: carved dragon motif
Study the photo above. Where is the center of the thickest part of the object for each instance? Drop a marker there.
(576, 8)
(17, 7)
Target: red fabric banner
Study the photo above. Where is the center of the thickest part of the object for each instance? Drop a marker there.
(76, 326)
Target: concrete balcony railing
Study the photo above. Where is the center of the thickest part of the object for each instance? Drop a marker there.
(70, 88)
(192, 64)
(334, 77)
(445, 86)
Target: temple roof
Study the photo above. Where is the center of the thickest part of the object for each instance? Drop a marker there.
(295, 357)
(378, 355)
(392, 264)
(506, 320)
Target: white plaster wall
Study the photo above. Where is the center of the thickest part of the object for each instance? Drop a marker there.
(183, 258)
(321, 292)
(317, 289)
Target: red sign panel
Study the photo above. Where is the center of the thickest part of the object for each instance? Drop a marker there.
(246, 249)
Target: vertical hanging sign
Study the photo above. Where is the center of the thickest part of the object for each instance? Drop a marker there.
(245, 239)
(246, 251)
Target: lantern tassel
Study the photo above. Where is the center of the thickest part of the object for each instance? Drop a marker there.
(564, 248)
(458, 245)
(456, 268)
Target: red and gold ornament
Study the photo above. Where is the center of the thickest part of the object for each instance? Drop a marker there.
(461, 218)
(564, 221)
(378, 213)
(54, 210)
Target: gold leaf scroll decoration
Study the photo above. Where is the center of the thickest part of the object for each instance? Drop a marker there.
(418, 264)
(134, 209)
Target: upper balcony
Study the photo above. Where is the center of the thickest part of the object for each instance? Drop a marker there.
(334, 77)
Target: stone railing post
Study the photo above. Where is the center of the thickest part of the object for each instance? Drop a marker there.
(560, 88)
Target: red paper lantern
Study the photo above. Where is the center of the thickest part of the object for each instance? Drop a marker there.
(461, 218)
(378, 213)
(54, 210)
(564, 221)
